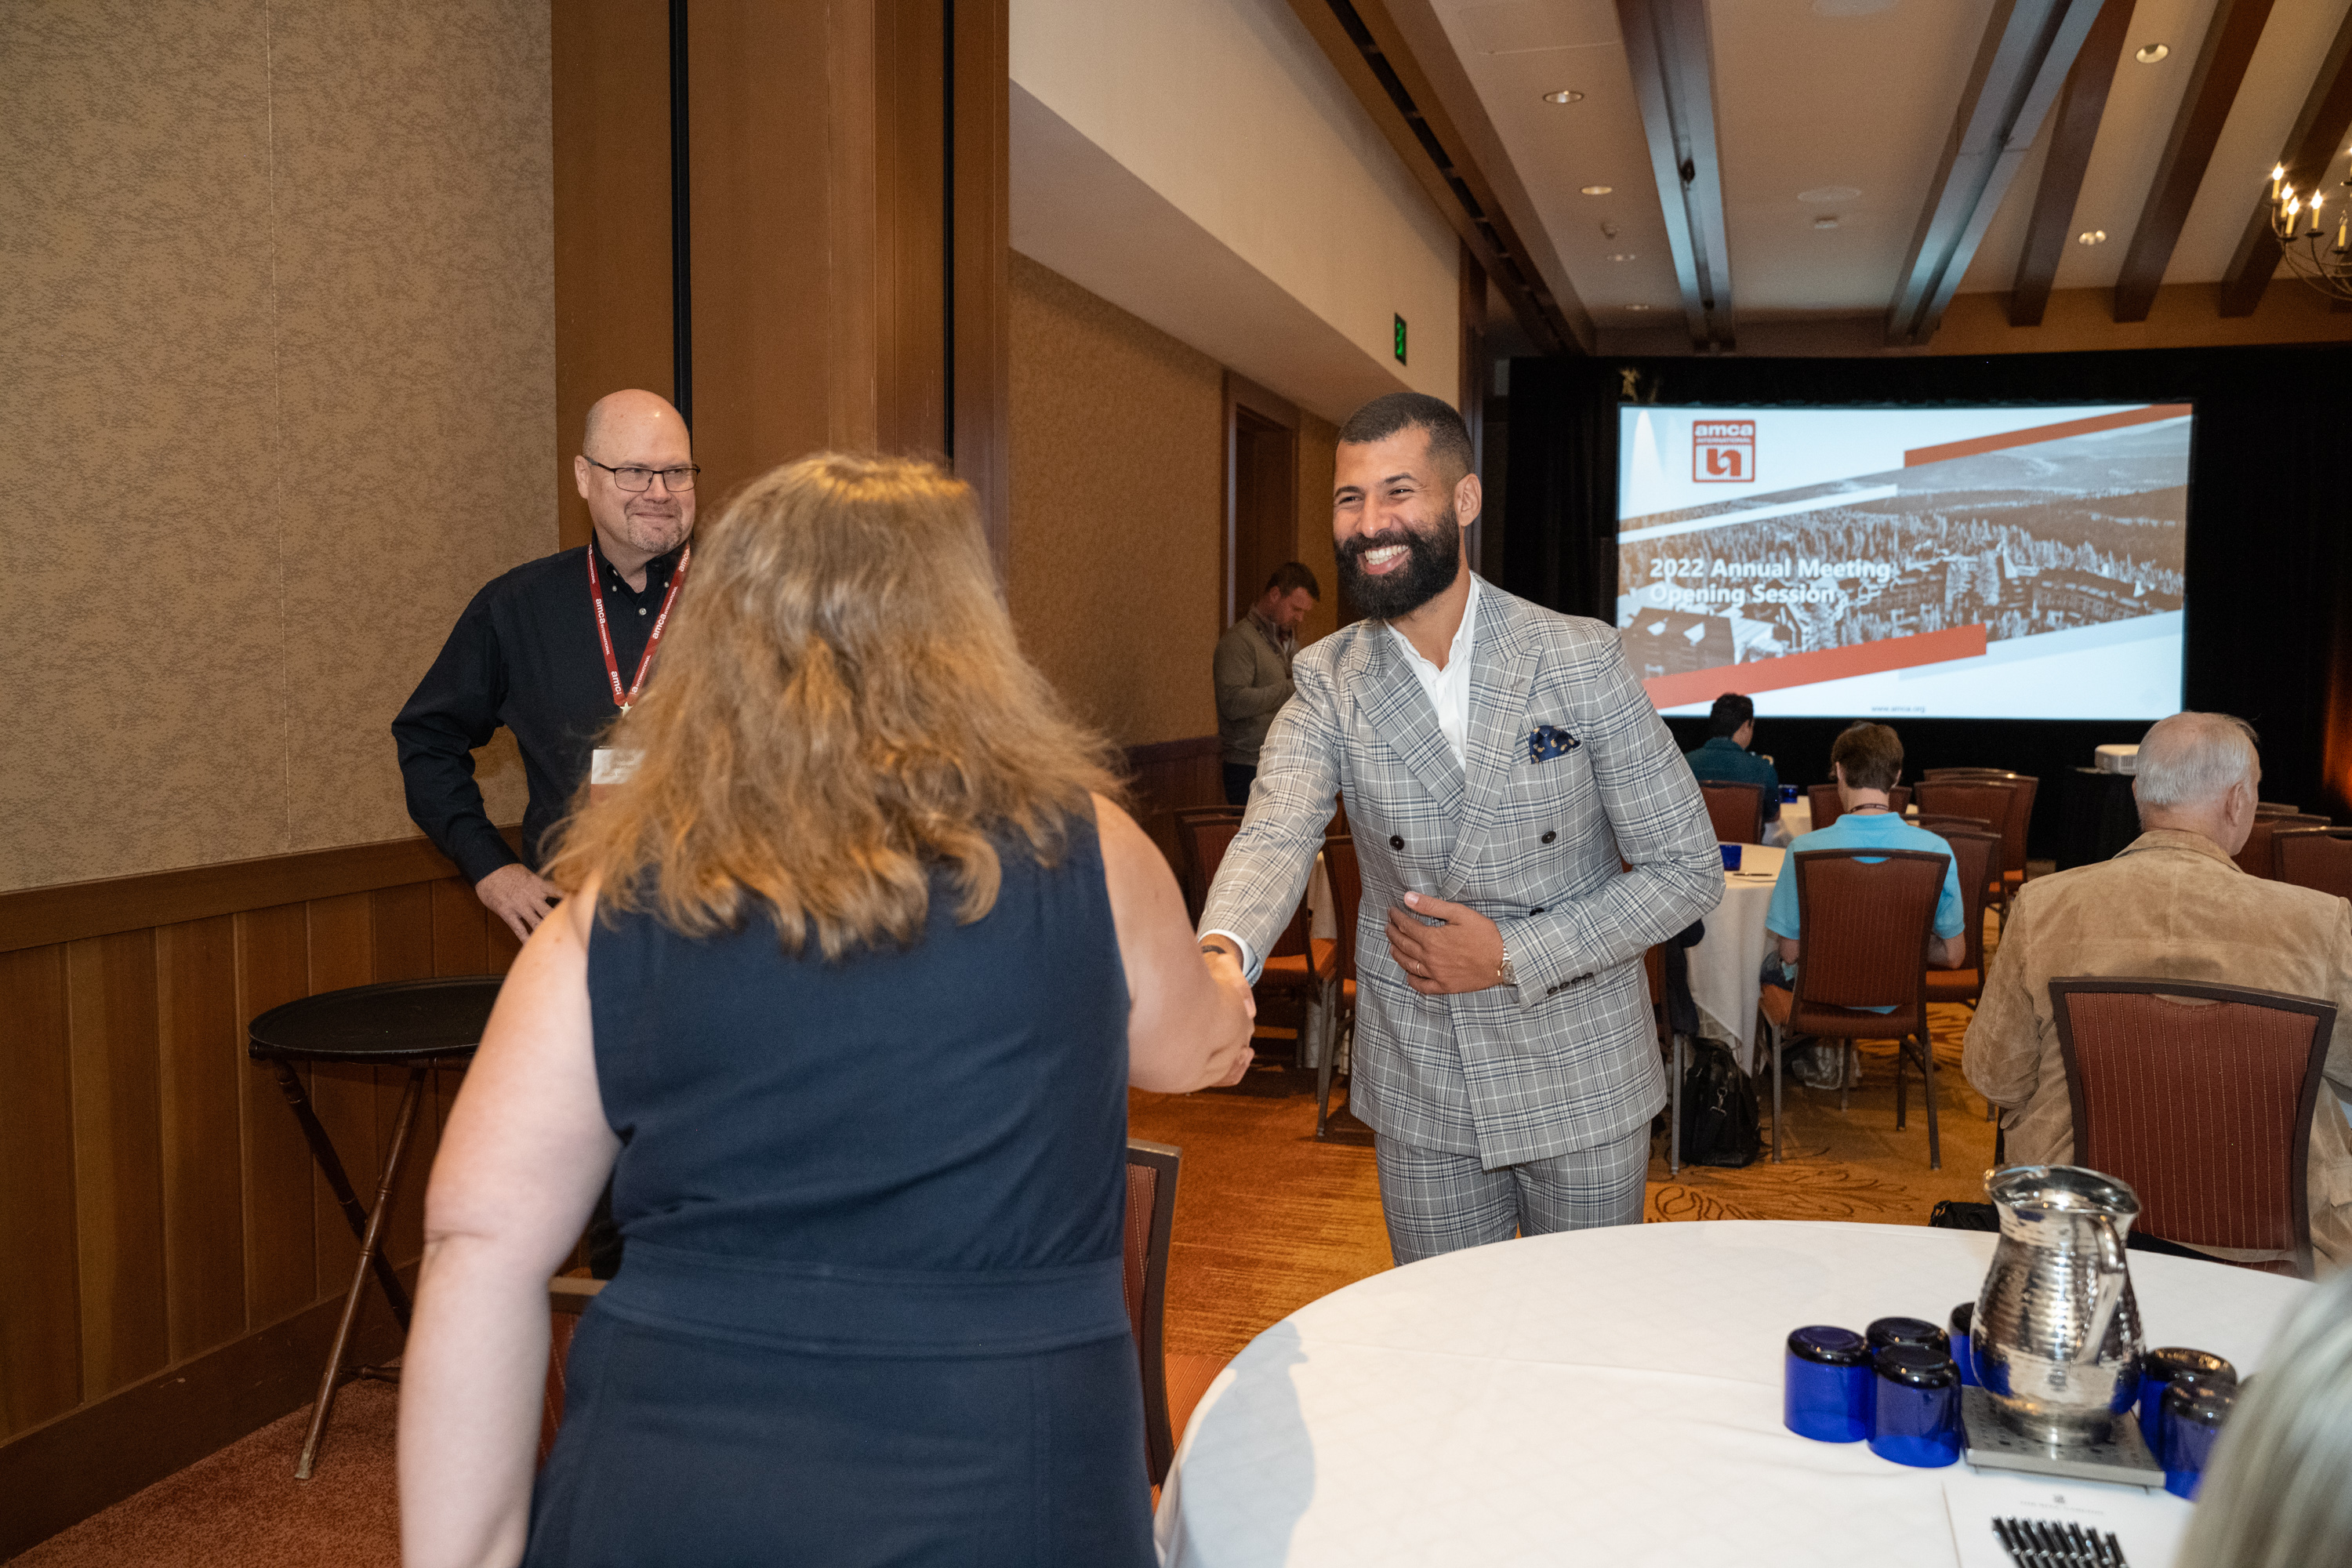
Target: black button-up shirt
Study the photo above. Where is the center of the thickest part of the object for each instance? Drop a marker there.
(525, 654)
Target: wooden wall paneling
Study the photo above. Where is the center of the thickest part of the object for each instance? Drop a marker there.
(403, 951)
(35, 917)
(281, 1269)
(980, 192)
(908, 203)
(40, 1300)
(341, 953)
(118, 1138)
(1167, 776)
(499, 947)
(460, 937)
(202, 1061)
(611, 119)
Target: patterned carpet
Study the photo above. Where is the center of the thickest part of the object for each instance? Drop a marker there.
(1267, 1219)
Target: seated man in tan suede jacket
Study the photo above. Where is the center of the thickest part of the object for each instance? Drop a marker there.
(2173, 904)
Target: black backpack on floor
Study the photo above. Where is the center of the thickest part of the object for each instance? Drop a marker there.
(1721, 1123)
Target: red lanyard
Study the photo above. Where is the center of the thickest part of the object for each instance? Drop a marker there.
(622, 700)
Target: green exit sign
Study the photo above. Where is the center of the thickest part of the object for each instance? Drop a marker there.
(1399, 340)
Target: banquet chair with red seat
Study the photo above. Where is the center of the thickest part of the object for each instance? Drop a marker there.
(2006, 803)
(1203, 833)
(1974, 855)
(1864, 917)
(1347, 902)
(2318, 857)
(1736, 809)
(1935, 824)
(2254, 858)
(2202, 1098)
(2276, 808)
(1827, 807)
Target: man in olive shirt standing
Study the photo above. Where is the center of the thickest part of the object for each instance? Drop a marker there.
(1252, 671)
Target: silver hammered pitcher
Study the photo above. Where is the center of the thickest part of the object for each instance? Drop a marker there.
(2057, 1332)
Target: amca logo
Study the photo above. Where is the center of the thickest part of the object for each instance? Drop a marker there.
(1723, 451)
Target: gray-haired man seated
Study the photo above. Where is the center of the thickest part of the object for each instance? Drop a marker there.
(2173, 905)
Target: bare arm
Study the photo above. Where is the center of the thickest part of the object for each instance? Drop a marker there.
(1187, 1027)
(526, 1150)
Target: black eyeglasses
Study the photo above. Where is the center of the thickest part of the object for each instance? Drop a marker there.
(633, 479)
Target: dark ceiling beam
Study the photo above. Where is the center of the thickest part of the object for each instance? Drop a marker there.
(1673, 61)
(2221, 61)
(2029, 48)
(2312, 148)
(1370, 55)
(2073, 131)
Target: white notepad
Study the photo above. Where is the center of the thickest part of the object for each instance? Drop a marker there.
(2146, 1523)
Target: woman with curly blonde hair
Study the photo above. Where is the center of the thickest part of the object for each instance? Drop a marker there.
(850, 983)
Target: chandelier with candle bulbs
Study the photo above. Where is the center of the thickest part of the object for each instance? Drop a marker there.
(2315, 252)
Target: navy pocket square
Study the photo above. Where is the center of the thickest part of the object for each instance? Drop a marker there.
(1547, 741)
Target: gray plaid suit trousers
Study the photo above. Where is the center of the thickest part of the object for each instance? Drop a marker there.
(1537, 838)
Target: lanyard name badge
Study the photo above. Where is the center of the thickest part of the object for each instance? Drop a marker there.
(607, 767)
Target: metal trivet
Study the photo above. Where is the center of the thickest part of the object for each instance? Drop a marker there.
(2121, 1456)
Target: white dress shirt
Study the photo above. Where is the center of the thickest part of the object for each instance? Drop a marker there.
(1448, 691)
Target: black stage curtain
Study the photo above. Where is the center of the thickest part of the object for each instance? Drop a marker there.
(2268, 617)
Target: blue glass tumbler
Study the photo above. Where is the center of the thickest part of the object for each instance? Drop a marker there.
(1825, 1392)
(1730, 856)
(1788, 794)
(1915, 1413)
(1886, 1332)
(1963, 1352)
(2157, 1368)
(2193, 1414)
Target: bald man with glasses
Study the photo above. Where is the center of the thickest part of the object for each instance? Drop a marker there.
(553, 650)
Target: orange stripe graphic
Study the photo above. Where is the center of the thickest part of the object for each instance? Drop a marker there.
(1950, 449)
(1805, 669)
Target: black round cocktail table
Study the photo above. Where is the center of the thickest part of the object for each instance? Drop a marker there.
(415, 1024)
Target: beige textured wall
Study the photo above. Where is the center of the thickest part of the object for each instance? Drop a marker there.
(1319, 456)
(280, 341)
(1117, 493)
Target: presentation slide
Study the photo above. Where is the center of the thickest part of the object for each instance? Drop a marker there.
(1946, 562)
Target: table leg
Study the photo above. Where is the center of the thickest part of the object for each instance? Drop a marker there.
(322, 1148)
(370, 1258)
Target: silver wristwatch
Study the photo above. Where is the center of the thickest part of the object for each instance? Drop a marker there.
(1505, 973)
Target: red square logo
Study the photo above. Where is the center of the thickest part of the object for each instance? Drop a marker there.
(1723, 451)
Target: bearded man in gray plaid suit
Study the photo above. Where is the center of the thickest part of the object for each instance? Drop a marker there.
(1499, 760)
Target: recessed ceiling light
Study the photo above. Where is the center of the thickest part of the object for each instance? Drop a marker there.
(2151, 53)
(1637, 306)
(1825, 222)
(2091, 236)
(1565, 95)
(1597, 190)
(1827, 195)
(1622, 256)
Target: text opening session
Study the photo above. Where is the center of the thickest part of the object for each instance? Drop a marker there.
(2014, 563)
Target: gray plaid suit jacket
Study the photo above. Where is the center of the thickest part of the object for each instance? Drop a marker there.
(1568, 1058)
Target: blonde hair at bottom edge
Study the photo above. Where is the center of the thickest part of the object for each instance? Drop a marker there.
(840, 710)
(2277, 1491)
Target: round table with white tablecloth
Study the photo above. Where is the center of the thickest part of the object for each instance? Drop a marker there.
(1605, 1396)
(1724, 966)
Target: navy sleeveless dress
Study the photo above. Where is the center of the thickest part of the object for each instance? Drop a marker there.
(869, 1308)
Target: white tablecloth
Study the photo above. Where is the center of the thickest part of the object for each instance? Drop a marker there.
(1607, 1397)
(1795, 820)
(1723, 967)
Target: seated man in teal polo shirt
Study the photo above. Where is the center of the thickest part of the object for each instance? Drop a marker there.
(1867, 762)
(1725, 759)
